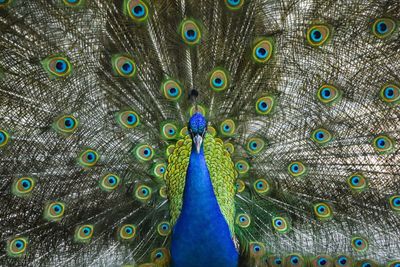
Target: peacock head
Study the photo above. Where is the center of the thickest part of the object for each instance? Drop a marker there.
(197, 128)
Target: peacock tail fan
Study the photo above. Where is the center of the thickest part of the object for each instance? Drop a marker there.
(302, 142)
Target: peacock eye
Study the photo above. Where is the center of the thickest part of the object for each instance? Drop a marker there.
(219, 79)
(280, 224)
(357, 182)
(243, 220)
(138, 10)
(163, 191)
(127, 232)
(383, 144)
(394, 202)
(23, 186)
(234, 4)
(4, 137)
(265, 105)
(256, 249)
(160, 256)
(17, 246)
(297, 169)
(169, 131)
(227, 128)
(343, 261)
(294, 260)
(143, 152)
(172, 89)
(390, 94)
(240, 186)
(123, 66)
(229, 147)
(88, 158)
(317, 35)
(66, 124)
(323, 211)
(199, 109)
(54, 211)
(57, 66)
(109, 182)
(4, 3)
(128, 119)
(328, 94)
(164, 229)
(143, 193)
(261, 186)
(84, 233)
(383, 27)
(322, 262)
(159, 169)
(321, 136)
(262, 51)
(190, 32)
(242, 166)
(359, 244)
(255, 145)
(73, 3)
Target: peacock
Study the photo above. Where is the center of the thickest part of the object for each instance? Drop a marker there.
(216, 133)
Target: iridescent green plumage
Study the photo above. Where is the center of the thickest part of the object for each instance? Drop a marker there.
(221, 171)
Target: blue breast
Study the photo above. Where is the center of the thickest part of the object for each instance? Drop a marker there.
(201, 235)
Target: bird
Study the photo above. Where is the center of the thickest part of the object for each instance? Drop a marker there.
(200, 133)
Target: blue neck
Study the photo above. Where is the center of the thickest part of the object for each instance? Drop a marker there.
(201, 235)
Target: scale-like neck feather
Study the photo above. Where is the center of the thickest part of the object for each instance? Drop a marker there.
(201, 234)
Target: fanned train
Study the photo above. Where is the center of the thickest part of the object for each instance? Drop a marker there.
(200, 133)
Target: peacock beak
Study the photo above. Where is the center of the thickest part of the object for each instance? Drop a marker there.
(198, 140)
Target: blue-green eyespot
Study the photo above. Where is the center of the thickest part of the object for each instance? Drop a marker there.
(4, 138)
(383, 144)
(321, 136)
(143, 152)
(74, 3)
(23, 186)
(227, 128)
(262, 50)
(297, 169)
(109, 182)
(234, 5)
(390, 93)
(84, 233)
(323, 211)
(383, 27)
(124, 66)
(137, 10)
(172, 89)
(57, 66)
(143, 193)
(17, 246)
(88, 158)
(54, 211)
(66, 124)
(318, 34)
(359, 243)
(219, 80)
(127, 232)
(190, 32)
(329, 94)
(128, 119)
(243, 220)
